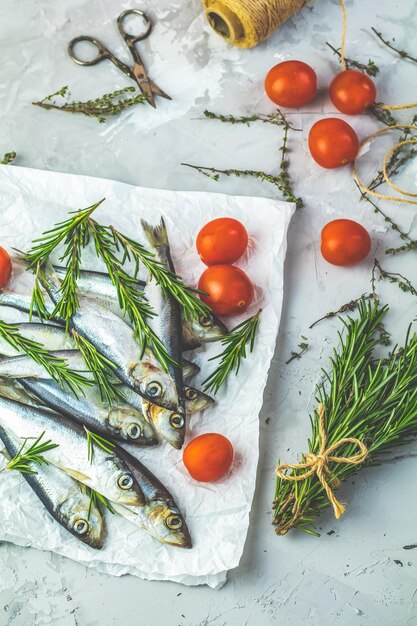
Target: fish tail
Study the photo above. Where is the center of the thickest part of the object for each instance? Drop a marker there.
(156, 235)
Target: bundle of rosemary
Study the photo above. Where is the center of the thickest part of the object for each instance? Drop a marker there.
(365, 406)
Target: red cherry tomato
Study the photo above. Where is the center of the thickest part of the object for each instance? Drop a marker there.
(352, 92)
(223, 240)
(208, 457)
(5, 268)
(345, 242)
(333, 142)
(291, 84)
(229, 290)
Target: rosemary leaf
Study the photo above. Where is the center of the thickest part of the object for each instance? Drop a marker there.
(235, 350)
(24, 458)
(8, 158)
(101, 442)
(55, 366)
(402, 53)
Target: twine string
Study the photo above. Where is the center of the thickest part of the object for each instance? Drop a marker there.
(258, 18)
(387, 179)
(319, 463)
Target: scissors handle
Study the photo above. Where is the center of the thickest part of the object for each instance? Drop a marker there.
(128, 37)
(102, 52)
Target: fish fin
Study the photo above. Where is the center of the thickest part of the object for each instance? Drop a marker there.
(82, 478)
(156, 235)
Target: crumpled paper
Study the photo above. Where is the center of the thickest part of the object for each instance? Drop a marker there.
(216, 513)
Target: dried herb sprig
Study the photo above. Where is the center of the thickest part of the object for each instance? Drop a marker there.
(363, 398)
(26, 456)
(398, 279)
(350, 306)
(8, 158)
(280, 182)
(109, 104)
(57, 368)
(402, 53)
(303, 347)
(235, 349)
(277, 118)
(370, 68)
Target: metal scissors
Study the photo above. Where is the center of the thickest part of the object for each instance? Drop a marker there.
(137, 72)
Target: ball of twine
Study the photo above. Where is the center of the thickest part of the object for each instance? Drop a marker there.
(245, 23)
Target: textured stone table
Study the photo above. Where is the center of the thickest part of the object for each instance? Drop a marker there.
(358, 572)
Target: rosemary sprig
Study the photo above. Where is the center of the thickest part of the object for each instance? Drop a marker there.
(8, 158)
(363, 398)
(382, 115)
(303, 347)
(171, 284)
(402, 53)
(101, 369)
(234, 343)
(101, 442)
(109, 104)
(56, 367)
(95, 499)
(370, 68)
(25, 456)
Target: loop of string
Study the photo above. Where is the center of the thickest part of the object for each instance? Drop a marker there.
(387, 179)
(319, 463)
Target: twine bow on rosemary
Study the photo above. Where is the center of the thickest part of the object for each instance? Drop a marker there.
(319, 463)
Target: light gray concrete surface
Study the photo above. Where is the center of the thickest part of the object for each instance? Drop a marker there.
(359, 571)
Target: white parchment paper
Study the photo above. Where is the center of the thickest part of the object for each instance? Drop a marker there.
(217, 514)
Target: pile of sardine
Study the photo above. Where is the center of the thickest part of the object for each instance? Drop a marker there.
(154, 407)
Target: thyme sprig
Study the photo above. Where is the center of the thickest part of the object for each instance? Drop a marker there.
(277, 118)
(235, 349)
(303, 347)
(401, 281)
(110, 104)
(94, 439)
(26, 456)
(57, 368)
(402, 53)
(8, 158)
(350, 306)
(370, 68)
(363, 398)
(282, 181)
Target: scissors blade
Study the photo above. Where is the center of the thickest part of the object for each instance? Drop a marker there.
(143, 82)
(158, 91)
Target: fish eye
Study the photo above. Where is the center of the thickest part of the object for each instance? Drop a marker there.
(125, 481)
(176, 420)
(133, 431)
(81, 526)
(206, 320)
(191, 394)
(173, 522)
(153, 389)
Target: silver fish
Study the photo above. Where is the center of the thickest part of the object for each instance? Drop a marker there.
(49, 335)
(62, 497)
(167, 325)
(107, 473)
(205, 329)
(120, 420)
(22, 366)
(170, 424)
(160, 516)
(114, 339)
